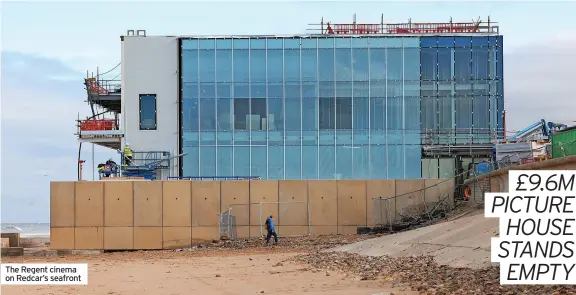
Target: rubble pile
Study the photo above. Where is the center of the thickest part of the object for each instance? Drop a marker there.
(424, 275)
(304, 243)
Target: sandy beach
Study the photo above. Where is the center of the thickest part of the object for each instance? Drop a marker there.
(252, 269)
(218, 272)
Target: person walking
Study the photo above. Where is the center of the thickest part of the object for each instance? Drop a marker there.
(271, 231)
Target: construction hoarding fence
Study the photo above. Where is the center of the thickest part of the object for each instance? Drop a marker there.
(291, 218)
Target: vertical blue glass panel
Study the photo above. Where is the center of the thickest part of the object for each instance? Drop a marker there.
(241, 161)
(411, 42)
(360, 64)
(224, 65)
(462, 68)
(413, 161)
(293, 162)
(500, 41)
(361, 113)
(189, 114)
(224, 138)
(190, 138)
(225, 114)
(378, 162)
(224, 161)
(207, 65)
(493, 112)
(207, 107)
(190, 65)
(394, 113)
(309, 114)
(343, 63)
(325, 64)
(309, 64)
(293, 120)
(190, 162)
(377, 64)
(309, 162)
(259, 161)
(257, 66)
(480, 63)
(445, 113)
(224, 44)
(394, 68)
(292, 65)
(208, 161)
(274, 119)
(481, 107)
(428, 42)
(378, 113)
(258, 44)
(500, 63)
(412, 113)
(275, 66)
(343, 162)
(429, 107)
(411, 64)
(445, 64)
(500, 101)
(241, 43)
(241, 65)
(463, 111)
(395, 161)
(327, 165)
(276, 162)
(361, 162)
(429, 60)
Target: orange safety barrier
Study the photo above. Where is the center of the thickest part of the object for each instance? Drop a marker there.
(96, 125)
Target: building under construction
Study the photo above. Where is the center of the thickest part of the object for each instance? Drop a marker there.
(347, 101)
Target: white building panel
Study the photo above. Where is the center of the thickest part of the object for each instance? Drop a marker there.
(150, 66)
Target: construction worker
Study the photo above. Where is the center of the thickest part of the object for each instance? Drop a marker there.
(127, 155)
(100, 170)
(271, 231)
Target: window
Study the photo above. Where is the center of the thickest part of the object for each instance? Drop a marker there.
(147, 111)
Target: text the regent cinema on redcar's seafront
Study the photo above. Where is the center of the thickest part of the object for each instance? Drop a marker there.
(537, 226)
(44, 274)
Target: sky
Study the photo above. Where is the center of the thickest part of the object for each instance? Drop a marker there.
(47, 47)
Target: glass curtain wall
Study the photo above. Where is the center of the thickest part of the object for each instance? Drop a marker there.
(301, 108)
(462, 89)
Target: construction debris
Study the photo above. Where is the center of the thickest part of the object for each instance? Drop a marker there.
(424, 275)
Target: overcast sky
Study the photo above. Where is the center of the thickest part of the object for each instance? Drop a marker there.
(48, 46)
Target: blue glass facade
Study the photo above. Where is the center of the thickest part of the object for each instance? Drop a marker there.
(331, 108)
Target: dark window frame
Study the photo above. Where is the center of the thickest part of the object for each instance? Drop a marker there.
(155, 112)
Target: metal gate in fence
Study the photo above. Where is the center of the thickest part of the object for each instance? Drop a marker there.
(299, 216)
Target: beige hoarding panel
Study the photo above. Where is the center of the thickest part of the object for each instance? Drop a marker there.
(89, 199)
(202, 234)
(347, 230)
(293, 207)
(176, 237)
(61, 204)
(410, 196)
(147, 238)
(119, 238)
(205, 203)
(177, 203)
(147, 203)
(62, 238)
(352, 202)
(265, 192)
(89, 238)
(378, 208)
(118, 203)
(324, 230)
(236, 193)
(322, 195)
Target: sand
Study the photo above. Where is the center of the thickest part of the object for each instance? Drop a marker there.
(255, 271)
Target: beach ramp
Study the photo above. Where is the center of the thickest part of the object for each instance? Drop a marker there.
(463, 242)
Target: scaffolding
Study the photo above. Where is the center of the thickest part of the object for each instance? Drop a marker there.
(473, 27)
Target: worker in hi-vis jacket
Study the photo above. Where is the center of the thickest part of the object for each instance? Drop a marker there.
(127, 155)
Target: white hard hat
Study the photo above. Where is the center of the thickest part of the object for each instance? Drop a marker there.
(127, 144)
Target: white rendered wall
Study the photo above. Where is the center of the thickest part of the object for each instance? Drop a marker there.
(150, 66)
